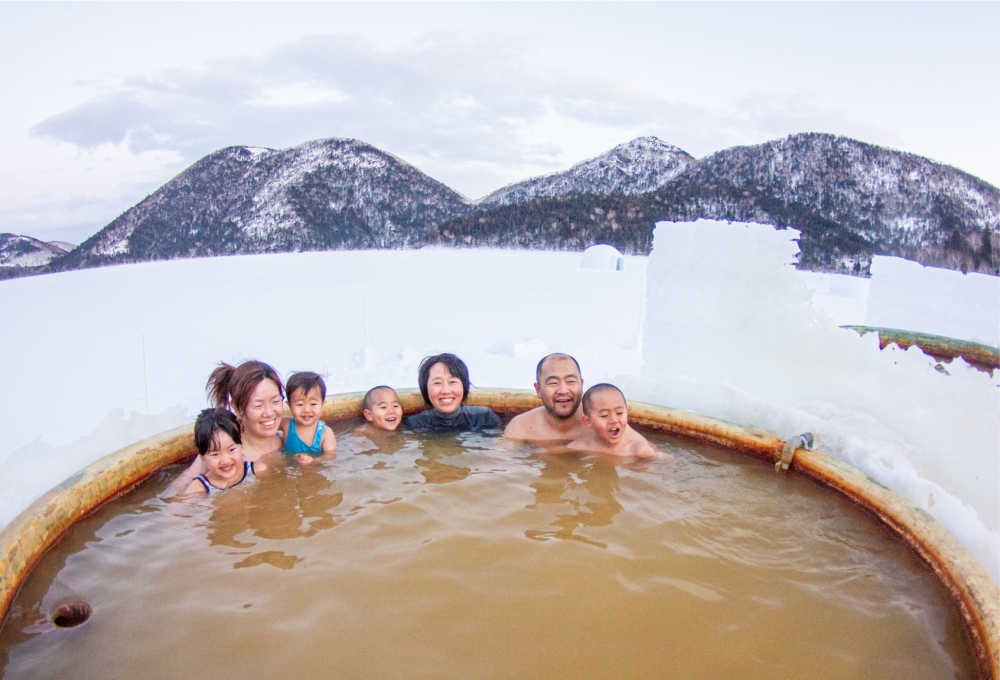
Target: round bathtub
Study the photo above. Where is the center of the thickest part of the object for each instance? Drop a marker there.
(29, 535)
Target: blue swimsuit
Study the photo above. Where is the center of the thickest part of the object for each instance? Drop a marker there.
(295, 445)
(211, 488)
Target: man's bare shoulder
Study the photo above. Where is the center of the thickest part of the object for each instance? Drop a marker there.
(525, 425)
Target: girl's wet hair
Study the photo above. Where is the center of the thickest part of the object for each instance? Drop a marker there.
(455, 366)
(232, 388)
(213, 420)
(307, 381)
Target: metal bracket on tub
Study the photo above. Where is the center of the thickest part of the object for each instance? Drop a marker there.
(799, 441)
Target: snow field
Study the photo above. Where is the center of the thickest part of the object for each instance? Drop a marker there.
(719, 324)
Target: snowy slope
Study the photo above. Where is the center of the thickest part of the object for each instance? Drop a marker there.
(642, 165)
(25, 251)
(854, 199)
(322, 195)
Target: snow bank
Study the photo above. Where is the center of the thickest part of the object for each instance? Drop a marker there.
(912, 297)
(736, 337)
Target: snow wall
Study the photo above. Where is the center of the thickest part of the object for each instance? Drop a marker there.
(731, 332)
(907, 295)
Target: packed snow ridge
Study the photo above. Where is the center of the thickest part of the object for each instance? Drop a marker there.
(637, 167)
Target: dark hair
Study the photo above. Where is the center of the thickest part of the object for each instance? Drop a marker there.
(589, 395)
(555, 355)
(231, 388)
(370, 396)
(455, 366)
(306, 381)
(213, 420)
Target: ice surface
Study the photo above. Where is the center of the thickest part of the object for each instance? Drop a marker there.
(730, 330)
(736, 336)
(907, 295)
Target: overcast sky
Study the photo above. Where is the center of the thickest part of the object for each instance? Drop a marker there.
(103, 103)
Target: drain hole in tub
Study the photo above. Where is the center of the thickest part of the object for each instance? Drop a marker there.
(71, 615)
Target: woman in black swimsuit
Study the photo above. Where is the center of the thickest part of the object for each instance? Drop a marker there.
(444, 383)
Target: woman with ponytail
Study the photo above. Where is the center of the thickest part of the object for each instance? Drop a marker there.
(254, 393)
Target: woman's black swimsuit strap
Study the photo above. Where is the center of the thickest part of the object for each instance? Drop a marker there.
(465, 418)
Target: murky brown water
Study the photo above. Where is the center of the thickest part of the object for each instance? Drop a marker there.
(450, 557)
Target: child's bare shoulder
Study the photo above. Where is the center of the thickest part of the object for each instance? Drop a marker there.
(195, 488)
(640, 446)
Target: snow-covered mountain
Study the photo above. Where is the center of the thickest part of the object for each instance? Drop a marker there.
(321, 195)
(25, 251)
(850, 195)
(637, 167)
(849, 199)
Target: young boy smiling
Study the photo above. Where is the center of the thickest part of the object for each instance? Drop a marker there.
(382, 409)
(605, 414)
(306, 435)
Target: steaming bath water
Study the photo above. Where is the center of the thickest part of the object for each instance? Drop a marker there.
(452, 556)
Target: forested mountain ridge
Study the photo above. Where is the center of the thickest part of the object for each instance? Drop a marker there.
(25, 251)
(321, 195)
(850, 200)
(637, 167)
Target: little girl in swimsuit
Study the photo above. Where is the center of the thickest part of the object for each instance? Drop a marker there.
(306, 435)
(217, 436)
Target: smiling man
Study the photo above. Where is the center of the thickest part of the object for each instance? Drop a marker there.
(559, 385)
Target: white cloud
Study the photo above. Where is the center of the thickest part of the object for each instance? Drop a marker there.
(297, 94)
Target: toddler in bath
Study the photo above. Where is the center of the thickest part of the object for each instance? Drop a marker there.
(382, 409)
(605, 414)
(217, 436)
(306, 435)
(383, 414)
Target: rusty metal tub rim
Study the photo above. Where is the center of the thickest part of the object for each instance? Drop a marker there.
(40, 526)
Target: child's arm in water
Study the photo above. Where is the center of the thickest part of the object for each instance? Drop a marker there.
(328, 443)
